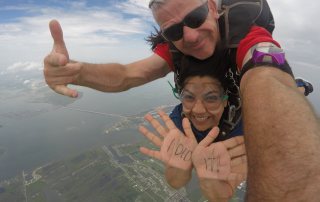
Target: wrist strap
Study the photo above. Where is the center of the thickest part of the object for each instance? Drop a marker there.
(249, 65)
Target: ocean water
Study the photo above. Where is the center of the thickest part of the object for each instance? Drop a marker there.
(40, 127)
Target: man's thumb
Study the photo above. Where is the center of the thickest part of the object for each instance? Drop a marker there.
(57, 35)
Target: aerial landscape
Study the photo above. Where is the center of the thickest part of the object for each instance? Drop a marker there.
(116, 172)
(55, 148)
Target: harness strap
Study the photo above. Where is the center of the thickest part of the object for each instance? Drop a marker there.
(238, 16)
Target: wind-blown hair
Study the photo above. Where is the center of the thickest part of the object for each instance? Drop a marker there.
(155, 38)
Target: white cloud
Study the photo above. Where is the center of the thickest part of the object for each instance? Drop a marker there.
(137, 7)
(141, 3)
(96, 33)
(24, 67)
(26, 82)
(35, 84)
(92, 30)
(83, 22)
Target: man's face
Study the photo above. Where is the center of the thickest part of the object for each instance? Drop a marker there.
(198, 42)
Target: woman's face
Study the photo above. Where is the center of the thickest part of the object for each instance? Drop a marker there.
(203, 101)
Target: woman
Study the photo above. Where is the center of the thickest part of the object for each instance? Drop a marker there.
(220, 166)
(210, 77)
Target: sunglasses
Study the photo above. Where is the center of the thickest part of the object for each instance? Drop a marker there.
(193, 20)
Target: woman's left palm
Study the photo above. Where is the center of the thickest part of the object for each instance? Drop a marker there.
(220, 166)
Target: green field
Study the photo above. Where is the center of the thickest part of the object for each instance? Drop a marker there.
(96, 175)
(113, 173)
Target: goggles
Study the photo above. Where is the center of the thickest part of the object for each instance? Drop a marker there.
(193, 20)
(210, 100)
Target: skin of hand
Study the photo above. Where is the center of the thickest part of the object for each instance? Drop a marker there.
(230, 152)
(58, 70)
(175, 148)
(220, 166)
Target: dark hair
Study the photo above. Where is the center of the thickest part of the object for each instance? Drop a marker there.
(215, 66)
(155, 38)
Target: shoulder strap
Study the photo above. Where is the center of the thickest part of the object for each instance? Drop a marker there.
(231, 116)
(238, 16)
(176, 58)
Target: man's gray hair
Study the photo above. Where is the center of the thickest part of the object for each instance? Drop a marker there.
(154, 4)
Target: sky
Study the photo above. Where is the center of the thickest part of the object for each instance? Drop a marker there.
(99, 31)
(93, 30)
(115, 30)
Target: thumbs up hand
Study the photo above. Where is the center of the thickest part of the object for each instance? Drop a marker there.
(58, 70)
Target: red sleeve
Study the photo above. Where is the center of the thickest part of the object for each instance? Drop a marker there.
(162, 49)
(256, 35)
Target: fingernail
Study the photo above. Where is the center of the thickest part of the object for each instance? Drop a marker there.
(75, 94)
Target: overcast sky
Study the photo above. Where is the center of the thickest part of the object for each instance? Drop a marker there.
(114, 31)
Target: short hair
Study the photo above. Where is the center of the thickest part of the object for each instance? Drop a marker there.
(155, 4)
(152, 3)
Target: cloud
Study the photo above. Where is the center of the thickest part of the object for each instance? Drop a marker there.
(100, 32)
(296, 29)
(34, 84)
(24, 67)
(137, 7)
(103, 24)
(26, 82)
(87, 29)
(296, 21)
(90, 31)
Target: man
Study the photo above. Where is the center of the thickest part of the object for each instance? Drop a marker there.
(282, 134)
